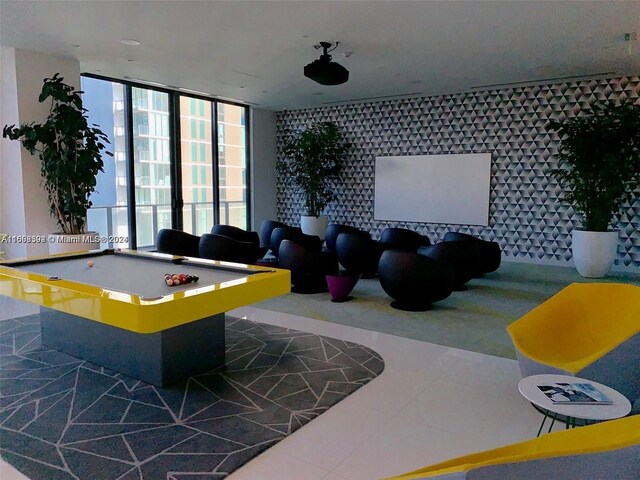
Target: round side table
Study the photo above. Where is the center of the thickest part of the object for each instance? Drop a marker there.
(528, 388)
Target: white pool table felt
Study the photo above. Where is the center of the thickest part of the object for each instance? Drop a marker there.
(131, 274)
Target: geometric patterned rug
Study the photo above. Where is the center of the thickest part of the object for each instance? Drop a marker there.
(65, 418)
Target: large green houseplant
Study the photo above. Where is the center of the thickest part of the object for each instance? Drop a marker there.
(70, 152)
(598, 169)
(311, 161)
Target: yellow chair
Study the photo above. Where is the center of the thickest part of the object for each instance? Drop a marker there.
(605, 451)
(589, 330)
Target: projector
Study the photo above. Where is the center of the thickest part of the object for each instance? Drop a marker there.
(324, 71)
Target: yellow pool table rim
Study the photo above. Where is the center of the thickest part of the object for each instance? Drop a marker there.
(139, 314)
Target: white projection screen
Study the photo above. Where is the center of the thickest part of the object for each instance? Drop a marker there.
(434, 188)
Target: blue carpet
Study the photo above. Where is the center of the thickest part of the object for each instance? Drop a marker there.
(65, 418)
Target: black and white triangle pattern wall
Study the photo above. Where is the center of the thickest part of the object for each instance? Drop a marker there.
(527, 215)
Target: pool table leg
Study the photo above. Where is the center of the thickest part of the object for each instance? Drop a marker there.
(160, 358)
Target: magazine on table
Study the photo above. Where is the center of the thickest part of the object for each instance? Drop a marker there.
(574, 394)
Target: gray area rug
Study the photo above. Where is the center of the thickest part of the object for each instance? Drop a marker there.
(64, 418)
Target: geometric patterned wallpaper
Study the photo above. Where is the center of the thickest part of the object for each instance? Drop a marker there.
(527, 215)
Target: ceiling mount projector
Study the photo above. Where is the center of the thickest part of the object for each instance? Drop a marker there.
(324, 71)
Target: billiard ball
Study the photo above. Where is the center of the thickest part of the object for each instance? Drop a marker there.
(90, 263)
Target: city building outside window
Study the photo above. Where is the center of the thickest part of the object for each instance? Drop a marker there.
(151, 183)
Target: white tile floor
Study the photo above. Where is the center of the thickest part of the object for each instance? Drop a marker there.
(430, 404)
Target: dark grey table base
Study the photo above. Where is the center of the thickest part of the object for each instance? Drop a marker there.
(160, 358)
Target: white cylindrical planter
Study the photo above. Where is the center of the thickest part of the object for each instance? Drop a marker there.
(594, 252)
(64, 243)
(314, 225)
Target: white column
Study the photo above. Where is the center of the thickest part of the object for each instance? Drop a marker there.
(263, 166)
(24, 208)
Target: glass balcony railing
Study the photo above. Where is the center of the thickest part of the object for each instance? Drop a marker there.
(111, 222)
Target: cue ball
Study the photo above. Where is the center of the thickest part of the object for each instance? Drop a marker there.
(90, 263)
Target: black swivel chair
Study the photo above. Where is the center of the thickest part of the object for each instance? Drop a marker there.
(358, 253)
(490, 253)
(403, 239)
(308, 266)
(266, 229)
(293, 233)
(414, 281)
(463, 257)
(177, 242)
(335, 229)
(241, 235)
(219, 247)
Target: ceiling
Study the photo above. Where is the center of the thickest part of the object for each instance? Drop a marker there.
(255, 51)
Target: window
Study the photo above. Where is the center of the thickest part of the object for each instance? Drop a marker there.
(197, 167)
(140, 99)
(143, 163)
(232, 165)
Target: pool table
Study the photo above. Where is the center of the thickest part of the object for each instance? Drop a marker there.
(119, 312)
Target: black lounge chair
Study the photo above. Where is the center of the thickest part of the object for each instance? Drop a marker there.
(403, 239)
(490, 253)
(463, 257)
(358, 253)
(414, 281)
(308, 266)
(335, 229)
(177, 242)
(266, 229)
(241, 235)
(219, 247)
(293, 233)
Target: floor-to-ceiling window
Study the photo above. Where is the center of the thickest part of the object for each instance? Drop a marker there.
(151, 163)
(232, 164)
(156, 181)
(109, 214)
(196, 152)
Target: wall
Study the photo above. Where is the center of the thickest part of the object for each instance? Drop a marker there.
(527, 215)
(12, 218)
(25, 208)
(263, 177)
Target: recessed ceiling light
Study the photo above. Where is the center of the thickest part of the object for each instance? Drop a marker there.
(75, 45)
(317, 93)
(129, 60)
(264, 91)
(130, 41)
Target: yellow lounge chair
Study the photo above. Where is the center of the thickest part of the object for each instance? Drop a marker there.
(605, 451)
(589, 330)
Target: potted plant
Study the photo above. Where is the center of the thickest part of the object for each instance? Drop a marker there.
(70, 154)
(599, 169)
(312, 160)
